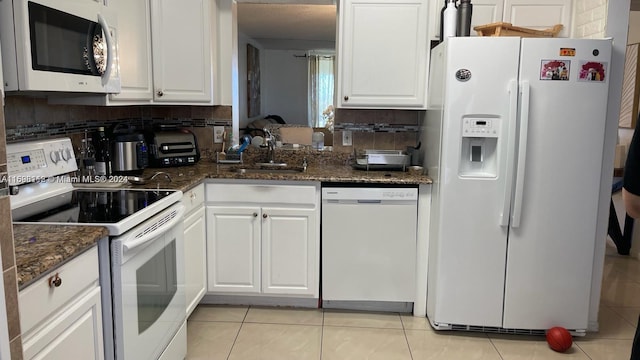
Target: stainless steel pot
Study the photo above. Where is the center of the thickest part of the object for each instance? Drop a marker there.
(130, 153)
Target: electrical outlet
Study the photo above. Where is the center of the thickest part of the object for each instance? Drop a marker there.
(218, 133)
(347, 139)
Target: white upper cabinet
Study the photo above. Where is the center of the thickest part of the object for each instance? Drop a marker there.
(533, 14)
(539, 14)
(134, 50)
(181, 45)
(383, 53)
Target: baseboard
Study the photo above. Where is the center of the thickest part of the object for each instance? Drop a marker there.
(249, 300)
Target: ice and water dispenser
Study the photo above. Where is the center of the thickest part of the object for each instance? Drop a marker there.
(479, 141)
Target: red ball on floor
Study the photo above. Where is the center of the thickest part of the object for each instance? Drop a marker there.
(559, 339)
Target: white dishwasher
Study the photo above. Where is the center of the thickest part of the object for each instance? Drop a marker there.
(369, 247)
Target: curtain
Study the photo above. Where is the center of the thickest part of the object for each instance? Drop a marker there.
(320, 90)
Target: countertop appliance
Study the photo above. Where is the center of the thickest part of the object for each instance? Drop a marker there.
(130, 153)
(514, 144)
(53, 45)
(372, 159)
(141, 262)
(172, 148)
(369, 247)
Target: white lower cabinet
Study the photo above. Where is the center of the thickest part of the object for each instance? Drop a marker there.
(64, 321)
(195, 247)
(266, 241)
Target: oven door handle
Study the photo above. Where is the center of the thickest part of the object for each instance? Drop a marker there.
(133, 242)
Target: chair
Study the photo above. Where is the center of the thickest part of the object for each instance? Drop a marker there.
(622, 240)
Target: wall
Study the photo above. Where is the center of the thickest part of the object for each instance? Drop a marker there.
(589, 18)
(624, 134)
(634, 28)
(285, 85)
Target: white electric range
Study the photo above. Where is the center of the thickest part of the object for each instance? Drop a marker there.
(142, 261)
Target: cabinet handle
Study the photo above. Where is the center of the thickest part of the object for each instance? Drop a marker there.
(255, 214)
(264, 216)
(192, 196)
(55, 281)
(160, 93)
(346, 98)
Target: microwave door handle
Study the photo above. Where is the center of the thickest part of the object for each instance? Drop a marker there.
(110, 45)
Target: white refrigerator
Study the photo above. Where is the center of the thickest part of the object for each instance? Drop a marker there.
(514, 141)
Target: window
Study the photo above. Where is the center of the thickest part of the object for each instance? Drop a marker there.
(321, 90)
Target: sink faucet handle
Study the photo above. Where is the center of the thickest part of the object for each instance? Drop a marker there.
(267, 134)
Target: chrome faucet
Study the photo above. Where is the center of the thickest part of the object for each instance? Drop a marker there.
(271, 145)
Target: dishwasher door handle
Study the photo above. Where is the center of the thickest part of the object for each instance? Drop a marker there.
(369, 201)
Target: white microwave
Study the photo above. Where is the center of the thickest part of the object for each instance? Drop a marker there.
(59, 45)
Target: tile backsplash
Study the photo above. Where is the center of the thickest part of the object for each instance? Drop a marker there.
(29, 118)
(376, 129)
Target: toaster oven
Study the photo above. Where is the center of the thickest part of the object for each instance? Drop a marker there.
(172, 148)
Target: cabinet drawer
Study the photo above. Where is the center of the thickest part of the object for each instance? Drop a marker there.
(191, 199)
(248, 193)
(39, 301)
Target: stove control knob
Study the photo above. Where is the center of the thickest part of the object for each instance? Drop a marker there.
(14, 190)
(66, 154)
(55, 156)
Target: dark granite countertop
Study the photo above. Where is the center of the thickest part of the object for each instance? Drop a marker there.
(42, 248)
(184, 178)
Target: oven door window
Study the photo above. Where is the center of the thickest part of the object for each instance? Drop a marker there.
(61, 42)
(157, 283)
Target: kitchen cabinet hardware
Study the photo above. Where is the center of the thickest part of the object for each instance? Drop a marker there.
(264, 216)
(55, 280)
(255, 214)
(160, 93)
(346, 98)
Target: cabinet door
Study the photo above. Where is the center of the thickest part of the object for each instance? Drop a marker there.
(134, 50)
(75, 333)
(539, 14)
(383, 53)
(233, 249)
(181, 45)
(486, 12)
(195, 258)
(289, 251)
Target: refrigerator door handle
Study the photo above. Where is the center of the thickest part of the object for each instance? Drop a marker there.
(522, 153)
(511, 149)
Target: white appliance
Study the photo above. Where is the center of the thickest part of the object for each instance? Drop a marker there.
(369, 247)
(59, 45)
(141, 263)
(514, 137)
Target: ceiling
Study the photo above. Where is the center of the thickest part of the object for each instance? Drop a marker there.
(277, 21)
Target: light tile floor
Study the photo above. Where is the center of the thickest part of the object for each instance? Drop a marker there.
(239, 333)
